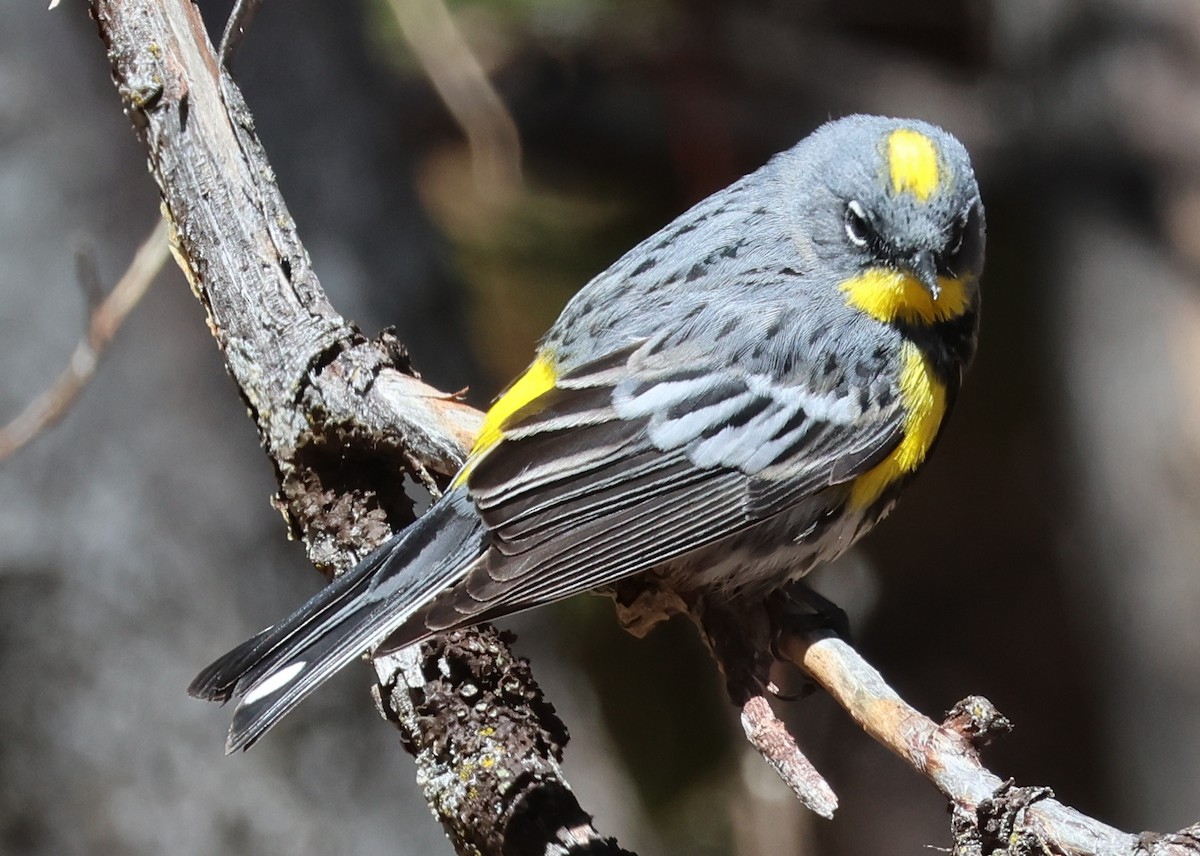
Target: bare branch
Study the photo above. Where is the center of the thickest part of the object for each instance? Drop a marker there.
(339, 415)
(105, 319)
(465, 767)
(775, 743)
(739, 635)
(989, 813)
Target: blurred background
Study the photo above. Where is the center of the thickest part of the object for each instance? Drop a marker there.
(1048, 558)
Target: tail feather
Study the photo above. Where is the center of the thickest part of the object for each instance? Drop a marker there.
(246, 663)
(277, 669)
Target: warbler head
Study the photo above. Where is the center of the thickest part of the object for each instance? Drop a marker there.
(897, 215)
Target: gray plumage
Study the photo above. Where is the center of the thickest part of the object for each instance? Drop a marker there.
(716, 396)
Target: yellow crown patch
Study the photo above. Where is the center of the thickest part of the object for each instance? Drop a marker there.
(912, 163)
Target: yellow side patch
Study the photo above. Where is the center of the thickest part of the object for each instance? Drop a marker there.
(924, 399)
(889, 295)
(537, 380)
(912, 163)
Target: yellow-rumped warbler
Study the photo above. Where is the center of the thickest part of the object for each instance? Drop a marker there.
(738, 398)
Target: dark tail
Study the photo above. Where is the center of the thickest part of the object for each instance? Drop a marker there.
(277, 669)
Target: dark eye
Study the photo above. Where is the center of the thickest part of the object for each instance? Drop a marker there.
(858, 227)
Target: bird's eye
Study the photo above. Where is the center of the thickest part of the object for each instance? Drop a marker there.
(858, 227)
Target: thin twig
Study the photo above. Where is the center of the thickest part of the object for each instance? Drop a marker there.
(946, 755)
(240, 18)
(739, 635)
(460, 80)
(52, 404)
(774, 742)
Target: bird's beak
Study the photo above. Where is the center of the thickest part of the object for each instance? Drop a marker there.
(924, 268)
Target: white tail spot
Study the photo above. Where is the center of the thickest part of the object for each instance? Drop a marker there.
(273, 683)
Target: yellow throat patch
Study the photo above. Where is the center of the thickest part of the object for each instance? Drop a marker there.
(923, 397)
(912, 163)
(537, 380)
(890, 295)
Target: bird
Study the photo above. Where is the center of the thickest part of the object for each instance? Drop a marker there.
(736, 400)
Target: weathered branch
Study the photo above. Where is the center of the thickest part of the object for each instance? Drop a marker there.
(340, 417)
(493, 733)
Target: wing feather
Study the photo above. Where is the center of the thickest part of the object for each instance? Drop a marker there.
(665, 460)
(606, 549)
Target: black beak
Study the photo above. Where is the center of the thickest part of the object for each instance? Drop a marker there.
(924, 268)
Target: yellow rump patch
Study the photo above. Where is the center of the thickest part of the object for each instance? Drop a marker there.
(913, 163)
(537, 380)
(924, 399)
(889, 295)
